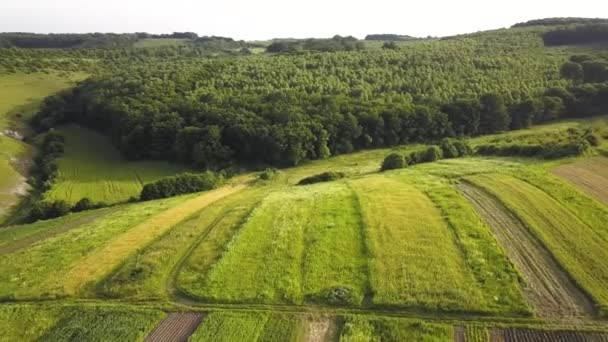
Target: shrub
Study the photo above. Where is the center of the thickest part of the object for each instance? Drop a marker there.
(184, 183)
(463, 148)
(322, 177)
(393, 161)
(268, 174)
(431, 154)
(448, 148)
(83, 204)
(44, 210)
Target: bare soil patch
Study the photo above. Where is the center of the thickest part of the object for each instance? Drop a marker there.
(589, 175)
(459, 334)
(547, 287)
(176, 327)
(530, 335)
(321, 329)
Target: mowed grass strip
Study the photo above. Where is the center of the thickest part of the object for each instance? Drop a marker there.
(102, 261)
(414, 261)
(144, 275)
(39, 270)
(579, 248)
(285, 247)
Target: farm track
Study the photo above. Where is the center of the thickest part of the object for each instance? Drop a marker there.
(49, 233)
(549, 289)
(531, 335)
(176, 327)
(459, 334)
(590, 176)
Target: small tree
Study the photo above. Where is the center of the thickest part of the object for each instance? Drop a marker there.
(393, 161)
(431, 154)
(448, 148)
(83, 204)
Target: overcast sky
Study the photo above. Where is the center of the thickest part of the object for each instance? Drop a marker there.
(263, 19)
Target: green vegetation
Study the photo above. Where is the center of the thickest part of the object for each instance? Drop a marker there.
(322, 177)
(91, 167)
(27, 322)
(229, 327)
(576, 244)
(358, 329)
(476, 334)
(100, 324)
(184, 183)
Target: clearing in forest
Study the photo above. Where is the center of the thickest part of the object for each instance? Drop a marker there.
(589, 175)
(176, 327)
(548, 287)
(413, 258)
(577, 246)
(92, 167)
(104, 260)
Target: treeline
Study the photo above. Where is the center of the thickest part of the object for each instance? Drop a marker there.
(174, 35)
(578, 34)
(560, 21)
(284, 109)
(390, 37)
(337, 43)
(181, 184)
(65, 41)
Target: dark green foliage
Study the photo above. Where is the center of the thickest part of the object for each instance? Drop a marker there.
(494, 116)
(595, 70)
(390, 46)
(572, 70)
(431, 154)
(268, 174)
(184, 183)
(389, 37)
(448, 148)
(560, 21)
(61, 41)
(577, 34)
(334, 44)
(525, 112)
(83, 204)
(322, 177)
(44, 210)
(393, 161)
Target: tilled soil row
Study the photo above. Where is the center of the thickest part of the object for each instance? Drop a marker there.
(548, 288)
(176, 327)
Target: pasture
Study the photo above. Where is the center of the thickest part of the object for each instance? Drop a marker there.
(92, 167)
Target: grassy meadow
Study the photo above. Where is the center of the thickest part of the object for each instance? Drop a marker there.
(21, 96)
(91, 167)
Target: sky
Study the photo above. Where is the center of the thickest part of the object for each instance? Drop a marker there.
(264, 19)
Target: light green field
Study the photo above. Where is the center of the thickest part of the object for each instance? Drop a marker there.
(229, 327)
(91, 167)
(301, 243)
(21, 96)
(27, 323)
(580, 247)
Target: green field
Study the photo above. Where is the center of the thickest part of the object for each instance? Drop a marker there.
(21, 95)
(91, 167)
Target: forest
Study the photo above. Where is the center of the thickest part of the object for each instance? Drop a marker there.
(285, 109)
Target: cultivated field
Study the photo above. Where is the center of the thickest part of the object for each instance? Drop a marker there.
(590, 175)
(91, 167)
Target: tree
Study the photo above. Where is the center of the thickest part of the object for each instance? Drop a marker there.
(572, 70)
(494, 116)
(524, 113)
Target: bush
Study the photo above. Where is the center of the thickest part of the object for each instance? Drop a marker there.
(83, 204)
(431, 154)
(448, 149)
(268, 174)
(44, 210)
(322, 177)
(463, 148)
(178, 185)
(393, 161)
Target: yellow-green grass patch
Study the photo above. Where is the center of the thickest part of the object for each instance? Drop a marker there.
(146, 273)
(105, 259)
(414, 260)
(40, 270)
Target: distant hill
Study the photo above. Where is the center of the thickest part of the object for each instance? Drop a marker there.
(389, 37)
(561, 21)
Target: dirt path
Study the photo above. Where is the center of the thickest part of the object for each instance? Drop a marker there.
(459, 334)
(548, 288)
(176, 327)
(589, 175)
(530, 335)
(321, 329)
